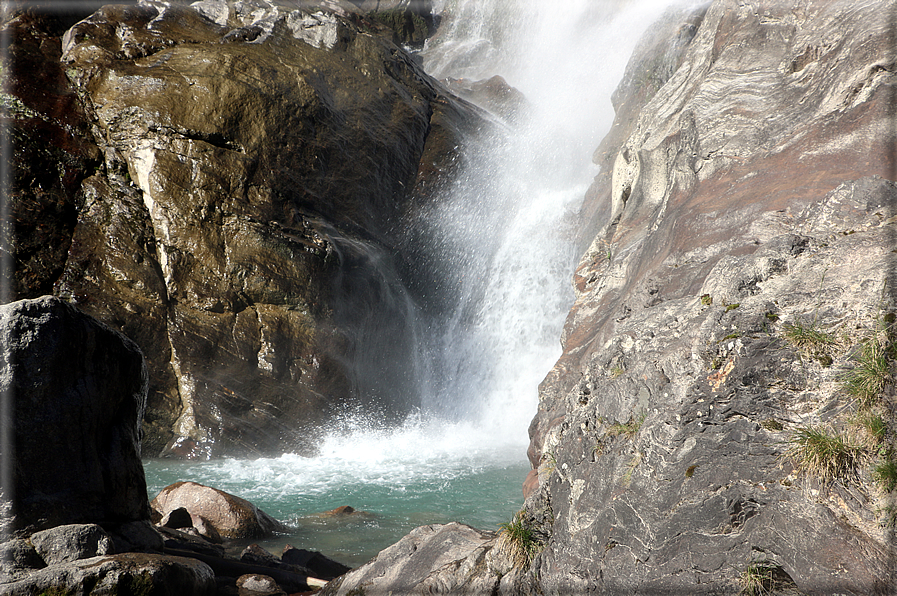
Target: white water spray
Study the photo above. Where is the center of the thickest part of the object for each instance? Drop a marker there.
(500, 242)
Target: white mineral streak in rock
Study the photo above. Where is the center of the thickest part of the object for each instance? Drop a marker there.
(216, 11)
(316, 29)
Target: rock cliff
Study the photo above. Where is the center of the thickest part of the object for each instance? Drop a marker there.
(237, 177)
(722, 419)
(747, 204)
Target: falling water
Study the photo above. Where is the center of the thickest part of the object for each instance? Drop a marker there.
(498, 248)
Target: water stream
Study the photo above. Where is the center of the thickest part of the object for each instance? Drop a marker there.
(502, 237)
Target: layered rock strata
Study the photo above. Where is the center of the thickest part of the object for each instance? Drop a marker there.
(748, 198)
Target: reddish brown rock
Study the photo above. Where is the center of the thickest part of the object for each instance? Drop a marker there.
(231, 516)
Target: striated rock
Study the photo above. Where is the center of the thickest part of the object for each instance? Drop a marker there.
(257, 165)
(230, 516)
(750, 190)
(60, 366)
(441, 559)
(129, 573)
(64, 544)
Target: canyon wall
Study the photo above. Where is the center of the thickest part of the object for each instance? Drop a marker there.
(746, 201)
(226, 184)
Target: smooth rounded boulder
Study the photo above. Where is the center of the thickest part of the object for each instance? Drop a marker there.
(230, 515)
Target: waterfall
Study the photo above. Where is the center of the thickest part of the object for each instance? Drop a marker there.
(493, 259)
(503, 233)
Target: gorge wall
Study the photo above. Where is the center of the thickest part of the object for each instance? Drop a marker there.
(736, 284)
(226, 184)
(746, 198)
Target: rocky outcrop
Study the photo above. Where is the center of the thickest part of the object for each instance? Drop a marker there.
(230, 516)
(747, 199)
(436, 559)
(78, 390)
(54, 152)
(241, 172)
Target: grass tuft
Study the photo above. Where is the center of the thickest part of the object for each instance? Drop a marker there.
(867, 379)
(630, 429)
(822, 454)
(521, 540)
(885, 475)
(807, 336)
(757, 579)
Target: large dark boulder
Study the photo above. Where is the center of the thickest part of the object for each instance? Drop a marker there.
(77, 391)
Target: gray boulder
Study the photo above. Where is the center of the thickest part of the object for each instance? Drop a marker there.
(435, 559)
(78, 391)
(71, 542)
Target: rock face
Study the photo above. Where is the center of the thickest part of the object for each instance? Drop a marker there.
(747, 196)
(78, 392)
(54, 153)
(238, 177)
(230, 516)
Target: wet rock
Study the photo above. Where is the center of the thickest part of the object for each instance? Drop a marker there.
(493, 94)
(52, 152)
(258, 585)
(129, 573)
(61, 365)
(231, 516)
(241, 238)
(63, 544)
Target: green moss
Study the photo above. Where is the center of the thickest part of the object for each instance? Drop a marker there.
(706, 300)
(690, 471)
(731, 307)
